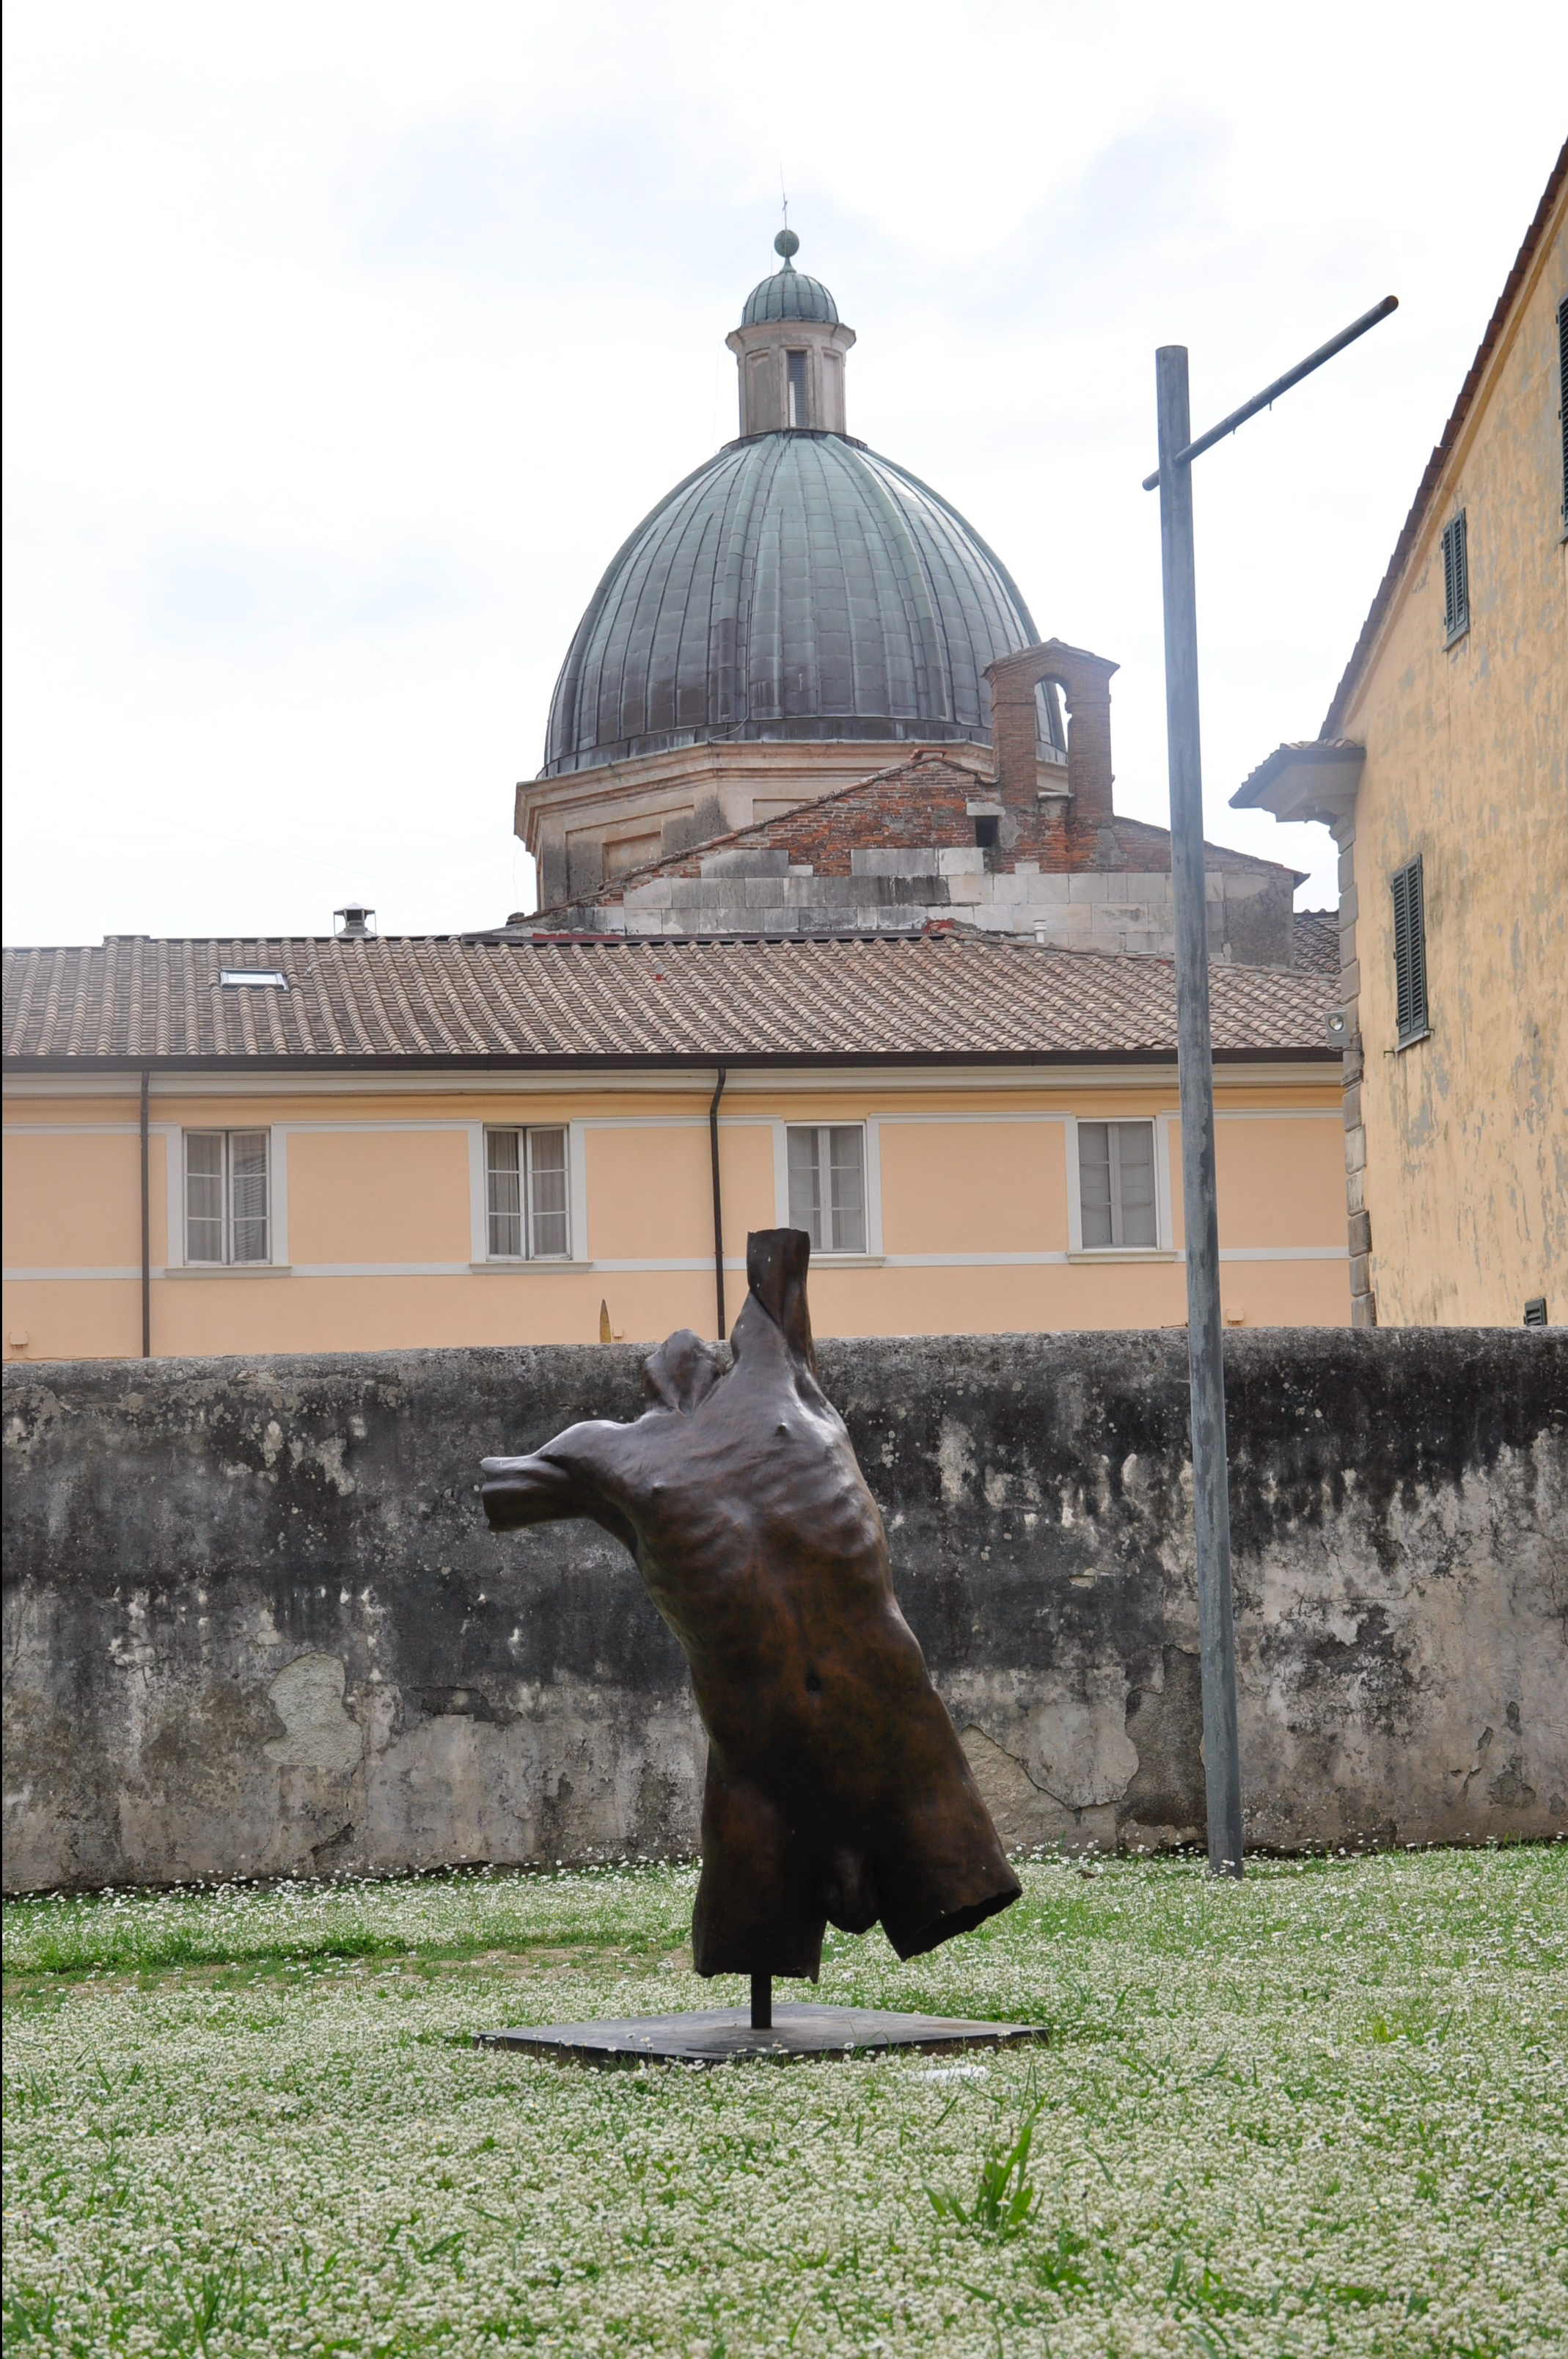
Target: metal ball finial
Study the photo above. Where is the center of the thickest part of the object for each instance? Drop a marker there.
(786, 243)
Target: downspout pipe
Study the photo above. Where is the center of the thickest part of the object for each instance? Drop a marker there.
(147, 1230)
(717, 1200)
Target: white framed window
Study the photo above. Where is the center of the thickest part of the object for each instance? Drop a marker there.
(826, 1162)
(227, 1198)
(1119, 1203)
(527, 1195)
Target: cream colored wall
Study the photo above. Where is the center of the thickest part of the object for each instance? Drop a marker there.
(350, 1200)
(945, 1187)
(970, 1222)
(1467, 1132)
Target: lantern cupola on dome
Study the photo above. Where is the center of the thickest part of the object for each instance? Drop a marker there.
(790, 348)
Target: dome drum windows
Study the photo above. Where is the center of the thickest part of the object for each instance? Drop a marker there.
(798, 409)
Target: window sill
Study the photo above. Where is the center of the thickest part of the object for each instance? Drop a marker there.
(1452, 638)
(1414, 1042)
(846, 1260)
(501, 1265)
(1123, 1252)
(230, 1269)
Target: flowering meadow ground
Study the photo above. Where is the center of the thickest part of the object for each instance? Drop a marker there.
(1323, 2111)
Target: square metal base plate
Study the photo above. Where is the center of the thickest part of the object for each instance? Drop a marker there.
(718, 2035)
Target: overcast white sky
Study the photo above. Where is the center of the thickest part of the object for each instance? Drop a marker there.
(347, 341)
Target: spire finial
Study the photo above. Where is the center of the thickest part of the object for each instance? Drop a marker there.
(786, 243)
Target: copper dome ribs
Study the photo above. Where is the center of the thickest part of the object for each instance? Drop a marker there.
(797, 587)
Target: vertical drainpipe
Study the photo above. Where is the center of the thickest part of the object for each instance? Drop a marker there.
(718, 1200)
(146, 1232)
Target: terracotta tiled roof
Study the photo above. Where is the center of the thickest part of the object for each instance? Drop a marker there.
(1410, 530)
(454, 1000)
(1318, 941)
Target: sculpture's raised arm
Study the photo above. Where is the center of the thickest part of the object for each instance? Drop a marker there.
(573, 1476)
(536, 1490)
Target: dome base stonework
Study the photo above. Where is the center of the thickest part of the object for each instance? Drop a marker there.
(586, 827)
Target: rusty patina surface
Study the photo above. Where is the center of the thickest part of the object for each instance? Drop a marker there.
(836, 1788)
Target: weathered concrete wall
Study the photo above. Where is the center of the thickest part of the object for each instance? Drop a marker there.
(255, 1621)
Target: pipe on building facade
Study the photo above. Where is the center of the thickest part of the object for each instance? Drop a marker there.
(147, 1230)
(717, 1200)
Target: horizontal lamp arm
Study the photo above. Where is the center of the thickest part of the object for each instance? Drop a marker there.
(1281, 385)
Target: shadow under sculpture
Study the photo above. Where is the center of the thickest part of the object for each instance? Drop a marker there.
(837, 1790)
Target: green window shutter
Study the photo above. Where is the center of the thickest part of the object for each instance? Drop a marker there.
(1456, 577)
(1409, 952)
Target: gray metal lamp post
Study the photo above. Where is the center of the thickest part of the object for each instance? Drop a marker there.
(1205, 1366)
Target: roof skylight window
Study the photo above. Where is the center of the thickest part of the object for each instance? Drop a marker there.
(252, 978)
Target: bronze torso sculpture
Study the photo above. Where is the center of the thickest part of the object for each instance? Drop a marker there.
(837, 1787)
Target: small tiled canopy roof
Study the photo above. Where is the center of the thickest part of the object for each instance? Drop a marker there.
(593, 1002)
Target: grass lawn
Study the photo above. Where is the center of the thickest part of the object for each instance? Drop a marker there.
(1323, 2111)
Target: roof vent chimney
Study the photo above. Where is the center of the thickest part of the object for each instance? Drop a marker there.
(354, 924)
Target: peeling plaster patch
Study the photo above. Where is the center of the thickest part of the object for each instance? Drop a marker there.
(1164, 1725)
(307, 1696)
(1509, 1788)
(1345, 1627)
(954, 1462)
(1077, 1746)
(462, 1703)
(1023, 1815)
(328, 1456)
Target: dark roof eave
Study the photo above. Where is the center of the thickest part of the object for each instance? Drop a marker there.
(1410, 532)
(663, 1062)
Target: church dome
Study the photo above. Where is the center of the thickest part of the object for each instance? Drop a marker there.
(797, 586)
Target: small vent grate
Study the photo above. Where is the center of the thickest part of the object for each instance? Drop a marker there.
(1456, 577)
(1409, 954)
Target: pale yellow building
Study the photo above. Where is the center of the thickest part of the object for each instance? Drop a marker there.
(1441, 768)
(361, 1144)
